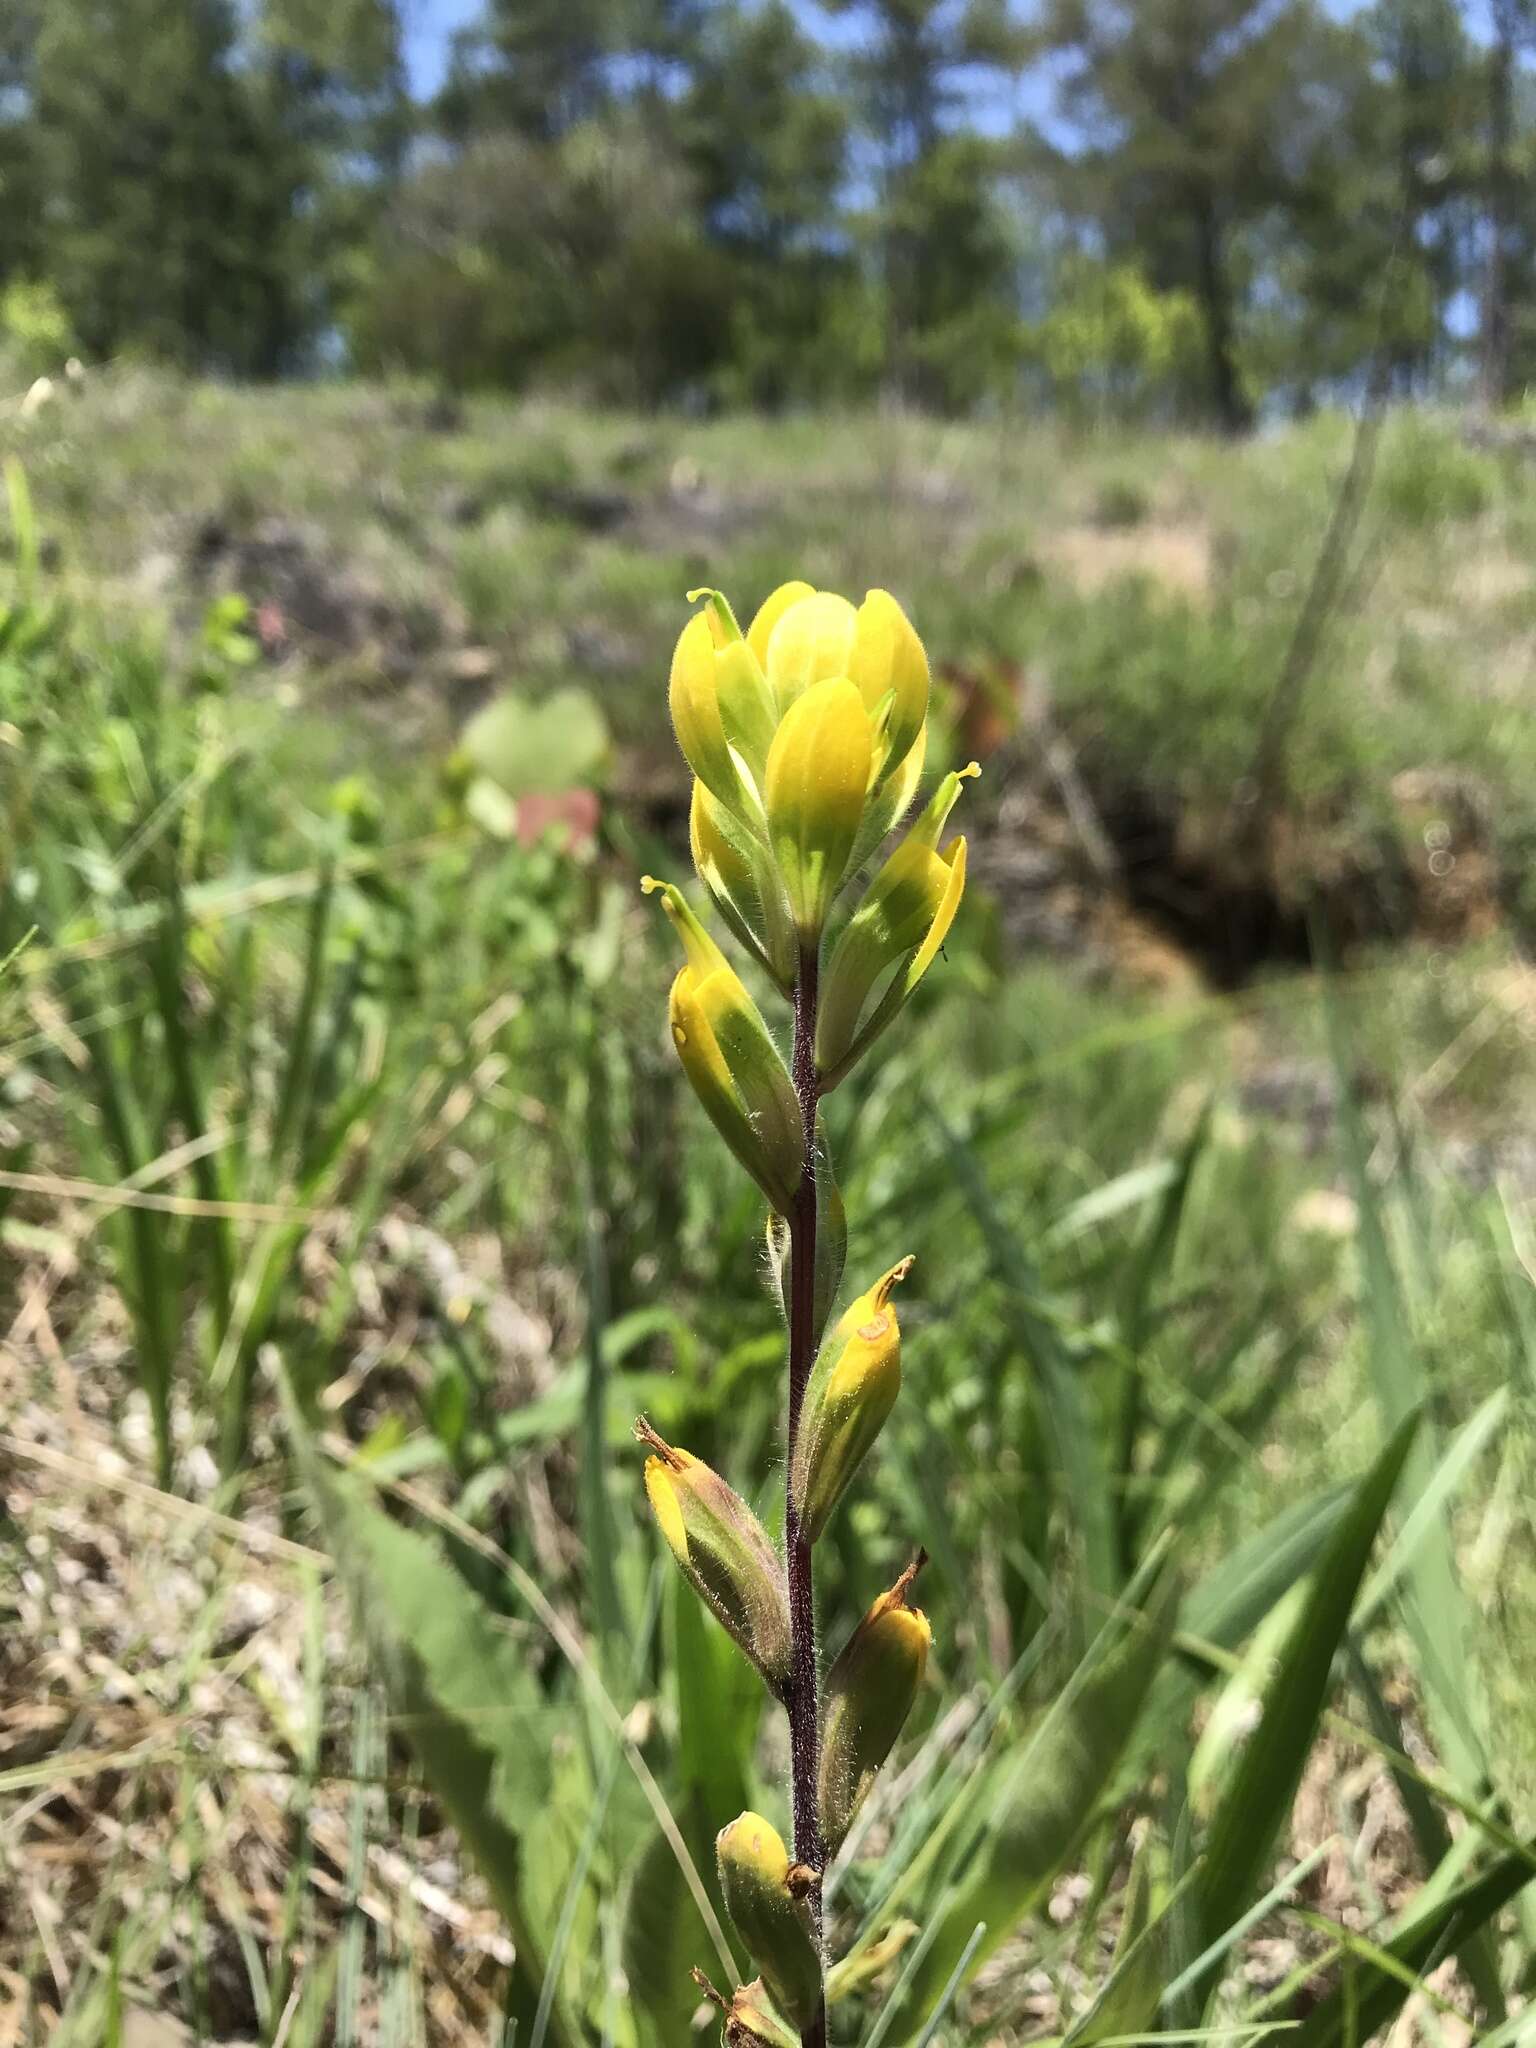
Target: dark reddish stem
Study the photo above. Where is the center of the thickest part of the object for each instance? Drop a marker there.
(804, 1702)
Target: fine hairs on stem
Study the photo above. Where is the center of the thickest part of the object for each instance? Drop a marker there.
(806, 736)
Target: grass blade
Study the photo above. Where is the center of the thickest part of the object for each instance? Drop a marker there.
(1079, 1453)
(1039, 1802)
(1365, 2002)
(1253, 1809)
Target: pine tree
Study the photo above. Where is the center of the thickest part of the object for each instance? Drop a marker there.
(766, 141)
(534, 68)
(940, 228)
(1426, 75)
(1507, 190)
(20, 182)
(160, 220)
(327, 84)
(1189, 114)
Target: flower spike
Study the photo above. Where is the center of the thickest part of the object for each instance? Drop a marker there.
(807, 735)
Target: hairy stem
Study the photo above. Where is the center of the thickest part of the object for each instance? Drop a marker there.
(804, 1703)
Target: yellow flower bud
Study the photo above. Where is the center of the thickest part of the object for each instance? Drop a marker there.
(870, 1690)
(851, 1390)
(888, 660)
(774, 1924)
(815, 789)
(903, 920)
(812, 641)
(698, 717)
(739, 873)
(734, 1066)
(723, 1551)
(748, 713)
(769, 613)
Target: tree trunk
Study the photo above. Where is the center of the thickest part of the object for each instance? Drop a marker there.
(1213, 283)
(1493, 377)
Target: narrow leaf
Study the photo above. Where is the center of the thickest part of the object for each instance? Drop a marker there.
(1243, 1834)
(1366, 2001)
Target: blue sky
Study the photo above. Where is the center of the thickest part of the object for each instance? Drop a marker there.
(429, 27)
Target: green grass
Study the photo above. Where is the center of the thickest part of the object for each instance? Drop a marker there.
(563, 540)
(425, 1197)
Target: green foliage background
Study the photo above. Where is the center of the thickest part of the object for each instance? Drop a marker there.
(1204, 212)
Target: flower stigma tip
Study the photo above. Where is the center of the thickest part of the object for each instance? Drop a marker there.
(653, 1441)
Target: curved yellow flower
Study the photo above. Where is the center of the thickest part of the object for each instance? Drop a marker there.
(769, 612)
(722, 1550)
(814, 794)
(851, 1391)
(870, 1691)
(902, 921)
(816, 636)
(727, 1053)
(774, 1924)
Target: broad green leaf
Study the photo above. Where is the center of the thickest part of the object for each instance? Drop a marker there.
(1223, 1610)
(539, 749)
(458, 1691)
(1039, 1803)
(1236, 1593)
(1240, 1844)
(1422, 1523)
(559, 1906)
(719, 1706)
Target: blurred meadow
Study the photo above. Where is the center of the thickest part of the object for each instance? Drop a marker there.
(351, 1198)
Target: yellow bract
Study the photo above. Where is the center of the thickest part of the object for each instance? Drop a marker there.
(662, 1493)
(811, 643)
(903, 921)
(817, 782)
(734, 1066)
(769, 612)
(870, 1690)
(888, 659)
(851, 1391)
(722, 1550)
(754, 1871)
